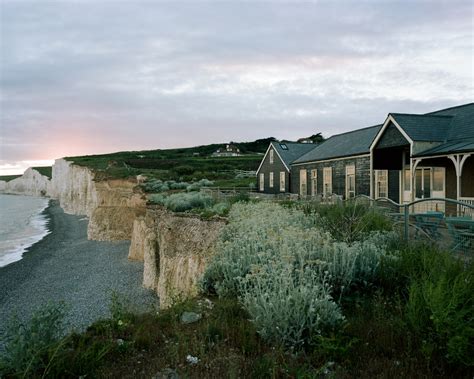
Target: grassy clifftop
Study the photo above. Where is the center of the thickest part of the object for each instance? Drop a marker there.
(178, 164)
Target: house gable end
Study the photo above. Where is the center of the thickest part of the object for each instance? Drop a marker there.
(391, 137)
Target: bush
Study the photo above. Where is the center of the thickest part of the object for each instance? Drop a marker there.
(27, 344)
(181, 202)
(272, 257)
(288, 306)
(440, 308)
(349, 221)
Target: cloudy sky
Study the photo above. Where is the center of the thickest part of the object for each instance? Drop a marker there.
(83, 77)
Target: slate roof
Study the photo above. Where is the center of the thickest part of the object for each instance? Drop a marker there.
(294, 151)
(457, 146)
(352, 143)
(429, 128)
(462, 125)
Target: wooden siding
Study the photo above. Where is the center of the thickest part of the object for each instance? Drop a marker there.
(391, 138)
(362, 175)
(274, 167)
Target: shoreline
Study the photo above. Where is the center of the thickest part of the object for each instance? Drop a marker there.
(42, 221)
(66, 267)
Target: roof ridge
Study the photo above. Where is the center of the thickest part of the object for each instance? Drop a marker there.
(422, 115)
(453, 107)
(351, 131)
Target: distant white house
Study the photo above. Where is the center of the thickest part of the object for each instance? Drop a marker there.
(230, 150)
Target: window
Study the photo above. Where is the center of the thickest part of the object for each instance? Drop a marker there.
(423, 183)
(271, 180)
(262, 182)
(314, 182)
(381, 183)
(327, 181)
(283, 146)
(282, 181)
(271, 156)
(350, 182)
(438, 179)
(303, 183)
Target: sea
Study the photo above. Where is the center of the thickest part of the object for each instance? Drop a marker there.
(22, 224)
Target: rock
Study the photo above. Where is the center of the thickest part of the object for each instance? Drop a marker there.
(167, 373)
(190, 317)
(31, 183)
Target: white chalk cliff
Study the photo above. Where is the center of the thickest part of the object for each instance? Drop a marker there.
(31, 183)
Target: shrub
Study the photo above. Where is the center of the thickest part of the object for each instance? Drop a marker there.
(349, 221)
(181, 202)
(273, 258)
(440, 308)
(27, 344)
(289, 307)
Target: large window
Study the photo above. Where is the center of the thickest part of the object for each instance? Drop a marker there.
(303, 183)
(271, 156)
(262, 182)
(350, 182)
(327, 181)
(271, 180)
(314, 182)
(381, 183)
(282, 181)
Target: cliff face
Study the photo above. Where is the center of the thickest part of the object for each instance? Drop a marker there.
(119, 203)
(176, 249)
(74, 187)
(111, 205)
(31, 183)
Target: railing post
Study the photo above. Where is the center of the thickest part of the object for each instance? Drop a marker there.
(406, 218)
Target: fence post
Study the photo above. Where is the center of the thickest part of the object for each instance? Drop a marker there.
(406, 217)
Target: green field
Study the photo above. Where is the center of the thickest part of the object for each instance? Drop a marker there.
(7, 178)
(185, 164)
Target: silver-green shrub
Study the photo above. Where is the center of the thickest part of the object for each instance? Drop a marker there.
(183, 201)
(281, 265)
(289, 306)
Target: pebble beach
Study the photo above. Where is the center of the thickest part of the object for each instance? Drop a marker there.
(66, 267)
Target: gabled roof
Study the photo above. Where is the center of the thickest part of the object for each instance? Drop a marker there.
(293, 150)
(458, 146)
(430, 128)
(352, 143)
(462, 125)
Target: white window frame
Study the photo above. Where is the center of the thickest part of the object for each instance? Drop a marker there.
(303, 182)
(271, 180)
(350, 172)
(282, 181)
(314, 182)
(380, 176)
(272, 158)
(327, 181)
(262, 182)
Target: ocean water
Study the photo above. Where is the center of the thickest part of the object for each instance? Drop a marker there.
(21, 225)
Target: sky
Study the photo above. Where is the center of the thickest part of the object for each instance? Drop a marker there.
(88, 77)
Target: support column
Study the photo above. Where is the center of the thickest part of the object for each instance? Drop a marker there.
(371, 170)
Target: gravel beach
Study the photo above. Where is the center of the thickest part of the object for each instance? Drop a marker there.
(65, 266)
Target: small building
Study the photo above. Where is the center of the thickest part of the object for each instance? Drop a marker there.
(340, 165)
(273, 174)
(408, 157)
(229, 150)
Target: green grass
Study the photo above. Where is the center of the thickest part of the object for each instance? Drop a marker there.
(7, 178)
(45, 170)
(374, 343)
(186, 164)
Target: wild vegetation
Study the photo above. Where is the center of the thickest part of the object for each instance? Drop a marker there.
(185, 164)
(288, 295)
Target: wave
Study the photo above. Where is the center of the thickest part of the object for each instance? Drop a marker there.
(36, 228)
